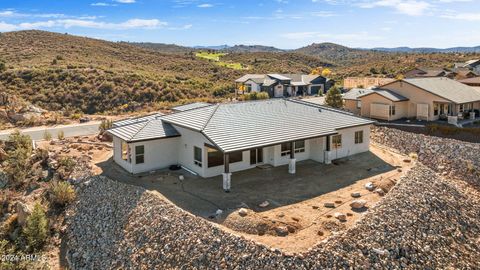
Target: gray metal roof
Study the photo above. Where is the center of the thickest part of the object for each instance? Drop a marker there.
(144, 130)
(246, 77)
(191, 106)
(129, 121)
(279, 77)
(446, 88)
(354, 93)
(386, 94)
(245, 125)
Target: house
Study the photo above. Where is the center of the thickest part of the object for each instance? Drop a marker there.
(421, 98)
(474, 82)
(365, 82)
(428, 72)
(223, 138)
(473, 65)
(283, 85)
(464, 73)
(351, 100)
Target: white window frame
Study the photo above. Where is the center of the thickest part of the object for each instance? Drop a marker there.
(137, 154)
(299, 149)
(284, 152)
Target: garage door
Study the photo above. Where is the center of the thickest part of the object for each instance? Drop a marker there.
(380, 111)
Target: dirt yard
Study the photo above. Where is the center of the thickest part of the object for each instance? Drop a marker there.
(302, 208)
(88, 147)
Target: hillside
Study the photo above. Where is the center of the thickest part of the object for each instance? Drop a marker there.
(252, 48)
(65, 72)
(162, 47)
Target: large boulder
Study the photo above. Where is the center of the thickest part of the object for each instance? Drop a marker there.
(358, 204)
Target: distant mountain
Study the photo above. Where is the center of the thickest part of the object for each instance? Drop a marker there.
(429, 50)
(334, 52)
(162, 47)
(218, 47)
(252, 48)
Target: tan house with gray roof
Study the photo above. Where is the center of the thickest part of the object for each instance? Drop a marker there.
(427, 99)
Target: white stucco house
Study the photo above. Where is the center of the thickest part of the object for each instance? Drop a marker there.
(220, 139)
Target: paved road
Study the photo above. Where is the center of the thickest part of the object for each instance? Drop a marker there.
(36, 133)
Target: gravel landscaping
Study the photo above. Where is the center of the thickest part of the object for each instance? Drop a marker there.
(425, 221)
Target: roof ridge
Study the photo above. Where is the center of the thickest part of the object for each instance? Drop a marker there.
(210, 117)
(138, 131)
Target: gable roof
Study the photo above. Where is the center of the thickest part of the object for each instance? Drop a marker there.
(246, 77)
(190, 106)
(279, 77)
(270, 79)
(354, 93)
(144, 130)
(246, 125)
(133, 120)
(446, 88)
(388, 94)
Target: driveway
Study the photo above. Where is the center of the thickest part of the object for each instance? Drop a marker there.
(36, 133)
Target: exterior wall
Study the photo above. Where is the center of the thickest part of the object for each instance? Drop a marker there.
(187, 141)
(348, 143)
(255, 86)
(351, 106)
(159, 154)
(416, 96)
(401, 108)
(117, 155)
(365, 82)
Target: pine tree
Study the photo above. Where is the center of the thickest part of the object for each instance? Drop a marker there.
(334, 98)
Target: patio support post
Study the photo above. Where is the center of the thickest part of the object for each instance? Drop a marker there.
(291, 164)
(227, 175)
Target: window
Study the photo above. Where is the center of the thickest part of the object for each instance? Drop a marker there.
(435, 109)
(197, 156)
(337, 141)
(139, 154)
(125, 151)
(215, 157)
(248, 88)
(359, 104)
(461, 108)
(358, 137)
(392, 110)
(285, 149)
(299, 146)
(256, 156)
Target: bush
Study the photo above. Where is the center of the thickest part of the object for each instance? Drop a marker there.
(104, 125)
(65, 166)
(62, 193)
(61, 135)
(334, 98)
(36, 228)
(19, 150)
(47, 136)
(256, 96)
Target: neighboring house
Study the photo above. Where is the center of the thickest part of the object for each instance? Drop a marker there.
(283, 85)
(421, 98)
(473, 65)
(464, 73)
(351, 100)
(428, 72)
(224, 138)
(475, 82)
(365, 82)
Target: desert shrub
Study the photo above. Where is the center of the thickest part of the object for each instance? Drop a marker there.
(61, 135)
(47, 136)
(9, 225)
(17, 164)
(36, 228)
(62, 193)
(104, 125)
(263, 95)
(255, 96)
(65, 166)
(76, 116)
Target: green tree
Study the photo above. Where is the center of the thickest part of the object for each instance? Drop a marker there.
(334, 98)
(36, 228)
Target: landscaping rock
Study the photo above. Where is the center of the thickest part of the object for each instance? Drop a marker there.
(23, 211)
(358, 204)
(329, 205)
(369, 186)
(281, 230)
(340, 216)
(356, 194)
(242, 212)
(264, 204)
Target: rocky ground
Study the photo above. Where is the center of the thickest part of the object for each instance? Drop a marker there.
(425, 222)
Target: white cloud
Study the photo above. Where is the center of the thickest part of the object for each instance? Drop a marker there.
(408, 7)
(205, 6)
(463, 16)
(125, 1)
(11, 13)
(102, 4)
(69, 23)
(337, 38)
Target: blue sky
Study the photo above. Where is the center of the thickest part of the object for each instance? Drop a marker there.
(281, 23)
